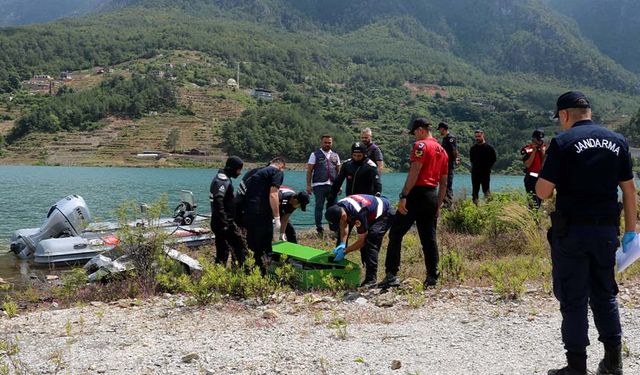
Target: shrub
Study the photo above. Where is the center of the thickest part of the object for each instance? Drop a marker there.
(451, 266)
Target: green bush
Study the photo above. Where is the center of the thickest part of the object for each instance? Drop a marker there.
(451, 266)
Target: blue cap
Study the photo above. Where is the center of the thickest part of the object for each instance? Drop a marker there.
(571, 99)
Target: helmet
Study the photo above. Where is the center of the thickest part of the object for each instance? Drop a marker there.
(538, 134)
(358, 147)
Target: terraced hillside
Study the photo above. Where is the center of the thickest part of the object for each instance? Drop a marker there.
(119, 141)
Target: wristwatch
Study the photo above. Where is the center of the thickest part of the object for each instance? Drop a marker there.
(402, 195)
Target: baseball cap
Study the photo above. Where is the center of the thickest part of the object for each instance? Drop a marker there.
(571, 99)
(538, 134)
(233, 163)
(443, 125)
(303, 199)
(420, 122)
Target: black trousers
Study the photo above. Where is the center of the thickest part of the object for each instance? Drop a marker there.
(422, 204)
(371, 248)
(290, 232)
(480, 178)
(583, 261)
(259, 239)
(530, 187)
(228, 241)
(448, 198)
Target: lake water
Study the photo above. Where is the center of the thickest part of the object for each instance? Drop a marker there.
(27, 193)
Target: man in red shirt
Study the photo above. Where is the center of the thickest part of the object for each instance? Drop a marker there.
(533, 156)
(420, 201)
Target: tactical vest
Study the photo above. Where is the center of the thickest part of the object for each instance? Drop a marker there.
(325, 169)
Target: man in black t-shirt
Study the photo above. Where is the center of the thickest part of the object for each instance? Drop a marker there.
(482, 157)
(450, 145)
(261, 209)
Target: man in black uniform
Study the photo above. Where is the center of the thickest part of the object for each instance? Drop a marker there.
(585, 165)
(372, 216)
(482, 157)
(222, 213)
(450, 145)
(361, 174)
(289, 202)
(261, 209)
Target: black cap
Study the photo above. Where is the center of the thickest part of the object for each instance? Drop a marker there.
(420, 122)
(233, 163)
(358, 147)
(333, 215)
(571, 99)
(538, 134)
(303, 199)
(443, 125)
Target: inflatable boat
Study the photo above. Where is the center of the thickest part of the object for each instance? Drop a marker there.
(68, 235)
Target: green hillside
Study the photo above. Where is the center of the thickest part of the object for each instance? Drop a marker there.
(336, 66)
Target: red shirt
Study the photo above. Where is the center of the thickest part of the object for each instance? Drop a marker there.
(434, 161)
(538, 157)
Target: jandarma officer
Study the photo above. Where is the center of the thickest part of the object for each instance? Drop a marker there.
(585, 165)
(420, 202)
(289, 202)
(371, 216)
(223, 211)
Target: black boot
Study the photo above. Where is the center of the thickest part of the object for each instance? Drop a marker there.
(576, 365)
(611, 364)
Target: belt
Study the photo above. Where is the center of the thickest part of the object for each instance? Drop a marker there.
(533, 174)
(424, 187)
(603, 221)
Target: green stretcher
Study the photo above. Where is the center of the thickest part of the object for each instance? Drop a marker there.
(313, 267)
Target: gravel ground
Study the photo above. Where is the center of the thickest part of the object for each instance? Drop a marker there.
(454, 331)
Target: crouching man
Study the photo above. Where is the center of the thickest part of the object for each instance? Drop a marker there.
(372, 217)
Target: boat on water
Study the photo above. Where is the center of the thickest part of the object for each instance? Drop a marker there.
(68, 234)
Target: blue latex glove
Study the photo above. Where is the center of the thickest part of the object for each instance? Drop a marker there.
(339, 252)
(626, 240)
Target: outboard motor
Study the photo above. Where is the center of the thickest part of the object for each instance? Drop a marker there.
(67, 218)
(185, 212)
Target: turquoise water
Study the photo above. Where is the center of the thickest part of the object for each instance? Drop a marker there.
(29, 191)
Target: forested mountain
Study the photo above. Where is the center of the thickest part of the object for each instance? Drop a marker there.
(340, 65)
(613, 25)
(20, 12)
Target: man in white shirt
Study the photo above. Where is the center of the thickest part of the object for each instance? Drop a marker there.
(322, 169)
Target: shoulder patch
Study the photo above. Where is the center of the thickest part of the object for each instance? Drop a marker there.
(420, 145)
(452, 139)
(222, 188)
(222, 176)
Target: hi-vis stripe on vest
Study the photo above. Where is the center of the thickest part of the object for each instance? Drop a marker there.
(358, 206)
(286, 189)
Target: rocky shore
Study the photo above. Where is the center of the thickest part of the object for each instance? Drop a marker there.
(442, 331)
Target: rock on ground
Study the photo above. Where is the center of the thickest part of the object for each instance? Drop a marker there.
(459, 331)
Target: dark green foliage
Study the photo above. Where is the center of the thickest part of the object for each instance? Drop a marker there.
(82, 110)
(287, 130)
(632, 130)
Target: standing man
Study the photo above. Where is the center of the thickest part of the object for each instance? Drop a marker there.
(450, 145)
(289, 202)
(322, 169)
(360, 172)
(372, 216)
(373, 151)
(261, 206)
(223, 211)
(533, 157)
(585, 165)
(482, 157)
(420, 202)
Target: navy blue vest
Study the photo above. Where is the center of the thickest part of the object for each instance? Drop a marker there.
(325, 169)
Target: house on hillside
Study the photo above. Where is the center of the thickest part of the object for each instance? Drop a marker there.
(232, 84)
(42, 77)
(99, 70)
(66, 76)
(262, 94)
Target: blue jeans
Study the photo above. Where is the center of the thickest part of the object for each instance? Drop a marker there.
(320, 192)
(583, 263)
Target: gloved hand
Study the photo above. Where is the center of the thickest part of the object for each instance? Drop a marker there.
(339, 252)
(276, 224)
(626, 240)
(283, 237)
